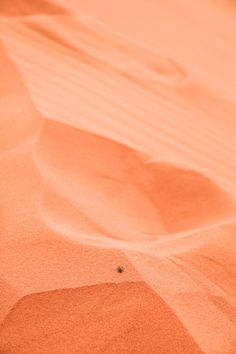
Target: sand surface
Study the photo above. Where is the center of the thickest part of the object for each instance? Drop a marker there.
(117, 149)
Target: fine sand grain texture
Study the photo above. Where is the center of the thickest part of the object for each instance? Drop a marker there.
(66, 321)
(117, 177)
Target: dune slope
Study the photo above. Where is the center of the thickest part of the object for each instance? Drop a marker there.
(106, 318)
(117, 152)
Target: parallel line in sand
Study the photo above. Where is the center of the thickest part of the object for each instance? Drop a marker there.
(76, 63)
(55, 77)
(40, 77)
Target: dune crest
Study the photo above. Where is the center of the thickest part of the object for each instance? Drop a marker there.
(113, 177)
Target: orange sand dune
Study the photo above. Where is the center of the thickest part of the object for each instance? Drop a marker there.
(65, 321)
(117, 149)
(26, 8)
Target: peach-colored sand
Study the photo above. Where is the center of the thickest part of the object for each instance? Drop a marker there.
(117, 149)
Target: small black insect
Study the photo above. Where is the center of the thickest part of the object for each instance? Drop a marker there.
(120, 269)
